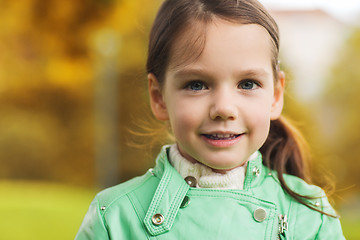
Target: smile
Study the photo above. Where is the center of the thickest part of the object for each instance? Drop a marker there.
(221, 136)
(218, 140)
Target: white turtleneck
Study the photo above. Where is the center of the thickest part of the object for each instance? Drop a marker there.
(205, 176)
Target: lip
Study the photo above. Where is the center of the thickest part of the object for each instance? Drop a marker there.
(222, 139)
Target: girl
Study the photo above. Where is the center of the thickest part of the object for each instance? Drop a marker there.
(237, 168)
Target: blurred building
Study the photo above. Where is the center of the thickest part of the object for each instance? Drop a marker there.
(311, 40)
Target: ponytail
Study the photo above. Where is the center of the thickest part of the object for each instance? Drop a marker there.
(286, 152)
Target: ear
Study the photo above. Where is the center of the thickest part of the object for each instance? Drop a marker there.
(278, 101)
(157, 103)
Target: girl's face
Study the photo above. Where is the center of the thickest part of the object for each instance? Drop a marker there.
(220, 105)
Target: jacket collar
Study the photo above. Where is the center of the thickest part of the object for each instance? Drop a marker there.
(172, 189)
(167, 198)
(255, 172)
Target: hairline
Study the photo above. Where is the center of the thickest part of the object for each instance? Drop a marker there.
(206, 22)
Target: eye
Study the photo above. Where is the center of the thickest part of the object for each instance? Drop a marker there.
(196, 86)
(248, 85)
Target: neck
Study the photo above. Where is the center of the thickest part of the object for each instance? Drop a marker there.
(207, 177)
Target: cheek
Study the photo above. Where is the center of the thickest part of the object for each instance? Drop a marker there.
(183, 109)
(259, 124)
(183, 116)
(259, 116)
(261, 108)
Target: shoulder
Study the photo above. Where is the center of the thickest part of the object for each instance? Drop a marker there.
(295, 183)
(115, 203)
(313, 195)
(301, 187)
(139, 189)
(302, 220)
(112, 195)
(316, 196)
(327, 227)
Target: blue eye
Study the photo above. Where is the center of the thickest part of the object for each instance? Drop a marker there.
(248, 85)
(196, 86)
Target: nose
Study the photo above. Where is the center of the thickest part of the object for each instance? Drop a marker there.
(223, 106)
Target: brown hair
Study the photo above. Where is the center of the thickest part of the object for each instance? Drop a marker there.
(284, 149)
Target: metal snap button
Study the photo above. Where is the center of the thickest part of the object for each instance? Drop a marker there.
(191, 181)
(151, 170)
(260, 214)
(185, 202)
(256, 171)
(103, 208)
(158, 219)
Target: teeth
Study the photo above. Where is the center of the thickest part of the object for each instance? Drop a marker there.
(217, 136)
(223, 135)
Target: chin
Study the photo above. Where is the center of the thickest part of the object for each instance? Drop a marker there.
(229, 163)
(224, 167)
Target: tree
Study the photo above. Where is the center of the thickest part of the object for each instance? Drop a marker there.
(340, 113)
(47, 69)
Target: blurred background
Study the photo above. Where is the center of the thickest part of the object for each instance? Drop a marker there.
(73, 104)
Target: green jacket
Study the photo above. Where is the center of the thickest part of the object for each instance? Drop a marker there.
(161, 205)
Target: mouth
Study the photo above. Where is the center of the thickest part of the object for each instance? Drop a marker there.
(222, 140)
(217, 136)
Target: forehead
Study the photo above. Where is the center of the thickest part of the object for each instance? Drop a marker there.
(220, 40)
(188, 45)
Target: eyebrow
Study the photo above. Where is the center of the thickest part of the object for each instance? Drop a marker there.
(259, 72)
(248, 73)
(191, 72)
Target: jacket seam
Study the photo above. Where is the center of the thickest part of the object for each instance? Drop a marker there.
(294, 215)
(173, 208)
(164, 182)
(272, 209)
(233, 197)
(271, 227)
(137, 213)
(240, 200)
(127, 192)
(270, 222)
(102, 218)
(322, 221)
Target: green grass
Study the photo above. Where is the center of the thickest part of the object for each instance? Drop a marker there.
(351, 228)
(36, 210)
